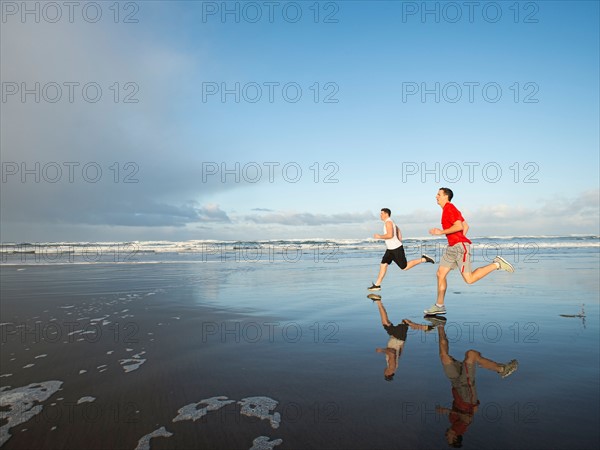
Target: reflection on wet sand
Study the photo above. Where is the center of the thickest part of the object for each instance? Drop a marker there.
(464, 390)
(397, 337)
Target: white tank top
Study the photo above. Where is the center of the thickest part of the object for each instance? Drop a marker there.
(397, 345)
(394, 242)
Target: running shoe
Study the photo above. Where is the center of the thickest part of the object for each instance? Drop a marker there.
(435, 309)
(428, 258)
(374, 287)
(374, 297)
(504, 264)
(508, 368)
(436, 321)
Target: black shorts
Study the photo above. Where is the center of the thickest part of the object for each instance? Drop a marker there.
(398, 331)
(397, 255)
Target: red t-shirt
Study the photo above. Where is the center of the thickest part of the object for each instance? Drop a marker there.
(457, 424)
(459, 405)
(450, 215)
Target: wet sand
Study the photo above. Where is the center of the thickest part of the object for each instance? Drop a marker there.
(133, 344)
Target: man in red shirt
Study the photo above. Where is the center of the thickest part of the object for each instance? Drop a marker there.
(464, 389)
(458, 252)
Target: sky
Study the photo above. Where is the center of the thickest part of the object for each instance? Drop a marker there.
(155, 120)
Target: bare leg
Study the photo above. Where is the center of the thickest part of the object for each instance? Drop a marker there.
(414, 263)
(416, 326)
(473, 356)
(478, 274)
(382, 271)
(443, 347)
(442, 273)
(383, 313)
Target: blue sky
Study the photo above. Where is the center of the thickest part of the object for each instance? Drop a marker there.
(527, 145)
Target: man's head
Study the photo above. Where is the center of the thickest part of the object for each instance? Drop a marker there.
(388, 374)
(392, 356)
(385, 213)
(444, 196)
(454, 440)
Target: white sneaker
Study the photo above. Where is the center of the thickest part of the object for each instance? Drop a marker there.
(504, 264)
(435, 309)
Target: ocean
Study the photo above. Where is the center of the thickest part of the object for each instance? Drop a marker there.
(516, 248)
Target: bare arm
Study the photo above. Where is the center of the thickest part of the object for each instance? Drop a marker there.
(465, 227)
(466, 418)
(415, 326)
(389, 232)
(441, 410)
(456, 226)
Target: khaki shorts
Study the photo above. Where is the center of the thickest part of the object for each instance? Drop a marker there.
(457, 256)
(462, 378)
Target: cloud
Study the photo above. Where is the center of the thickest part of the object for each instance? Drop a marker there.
(161, 215)
(262, 209)
(557, 215)
(309, 219)
(144, 141)
(212, 213)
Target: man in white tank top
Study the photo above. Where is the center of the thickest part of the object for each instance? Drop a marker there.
(397, 337)
(395, 250)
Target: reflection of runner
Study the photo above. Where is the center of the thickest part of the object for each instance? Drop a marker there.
(464, 392)
(395, 249)
(458, 252)
(397, 334)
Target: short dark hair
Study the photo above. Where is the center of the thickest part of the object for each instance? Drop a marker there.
(457, 442)
(448, 192)
(387, 211)
(389, 377)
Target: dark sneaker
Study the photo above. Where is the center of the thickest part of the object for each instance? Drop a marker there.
(374, 297)
(428, 258)
(508, 368)
(374, 287)
(435, 310)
